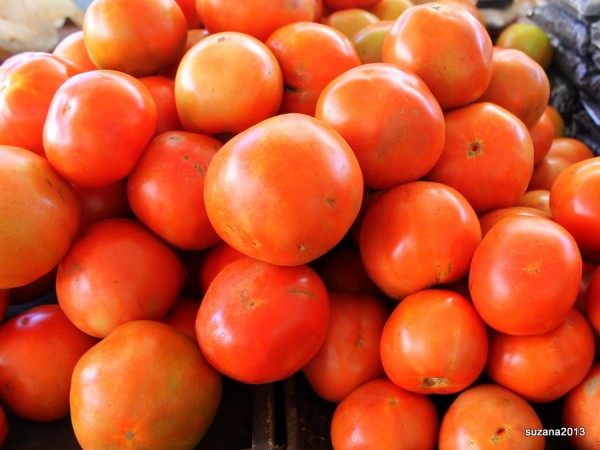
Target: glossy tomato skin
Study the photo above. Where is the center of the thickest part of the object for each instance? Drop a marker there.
(391, 120)
(434, 342)
(455, 62)
(182, 315)
(29, 81)
(380, 414)
(351, 346)
(166, 188)
(542, 136)
(260, 322)
(543, 367)
(296, 192)
(336, 5)
(417, 235)
(369, 41)
(72, 48)
(181, 391)
(38, 351)
(489, 219)
(489, 416)
(75, 137)
(40, 216)
(580, 411)
(162, 89)
(117, 271)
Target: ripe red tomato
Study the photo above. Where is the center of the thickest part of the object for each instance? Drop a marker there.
(525, 275)
(543, 367)
(546, 171)
(434, 342)
(536, 198)
(542, 136)
(191, 14)
(40, 216)
(590, 303)
(380, 414)
(260, 322)
(72, 48)
(162, 89)
(182, 315)
(116, 271)
(137, 38)
(501, 423)
(417, 235)
(216, 257)
(145, 384)
(570, 148)
(389, 117)
(351, 346)
(580, 411)
(281, 195)
(166, 188)
(83, 108)
(38, 351)
(455, 62)
(489, 219)
(350, 20)
(487, 156)
(335, 5)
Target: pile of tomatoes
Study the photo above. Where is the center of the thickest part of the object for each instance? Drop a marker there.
(368, 192)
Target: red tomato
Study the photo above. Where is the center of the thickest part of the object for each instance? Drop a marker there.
(351, 346)
(455, 62)
(40, 216)
(189, 11)
(29, 80)
(260, 322)
(350, 20)
(217, 257)
(543, 367)
(588, 271)
(417, 235)
(72, 48)
(546, 171)
(162, 90)
(83, 108)
(138, 38)
(487, 156)
(501, 423)
(574, 199)
(580, 411)
(194, 35)
(389, 117)
(525, 275)
(591, 302)
(182, 315)
(145, 384)
(381, 415)
(335, 5)
(489, 219)
(114, 272)
(572, 149)
(292, 197)
(165, 189)
(542, 136)
(536, 198)
(226, 83)
(434, 342)
(38, 351)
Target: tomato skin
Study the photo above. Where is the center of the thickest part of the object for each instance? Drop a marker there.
(417, 235)
(216, 257)
(350, 20)
(546, 171)
(389, 117)
(98, 203)
(525, 275)
(181, 390)
(543, 367)
(182, 315)
(40, 216)
(162, 90)
(380, 414)
(117, 271)
(38, 351)
(260, 322)
(165, 188)
(351, 346)
(81, 111)
(542, 136)
(580, 411)
(502, 423)
(536, 198)
(489, 219)
(571, 149)
(4, 428)
(72, 48)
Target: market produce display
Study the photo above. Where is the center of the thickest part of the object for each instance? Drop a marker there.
(377, 215)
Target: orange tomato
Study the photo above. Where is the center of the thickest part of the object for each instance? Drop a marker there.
(162, 90)
(580, 411)
(571, 149)
(104, 202)
(529, 38)
(557, 120)
(215, 258)
(542, 136)
(546, 171)
(536, 198)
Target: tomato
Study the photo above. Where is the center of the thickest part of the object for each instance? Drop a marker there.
(557, 120)
(294, 194)
(29, 80)
(40, 216)
(217, 257)
(335, 5)
(390, 119)
(455, 62)
(188, 7)
(536, 198)
(72, 48)
(571, 149)
(591, 301)
(574, 198)
(81, 111)
(38, 351)
(260, 323)
(182, 315)
(351, 346)
(4, 428)
(117, 271)
(580, 411)
(434, 342)
(518, 84)
(502, 423)
(490, 218)
(487, 156)
(588, 271)
(369, 41)
(162, 90)
(166, 391)
(350, 20)
(417, 235)
(529, 38)
(194, 36)
(390, 9)
(104, 202)
(122, 35)
(165, 189)
(525, 275)
(470, 6)
(310, 55)
(4, 302)
(380, 414)
(543, 367)
(542, 136)
(258, 18)
(546, 171)
(226, 83)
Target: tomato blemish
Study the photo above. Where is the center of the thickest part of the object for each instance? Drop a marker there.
(475, 148)
(502, 433)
